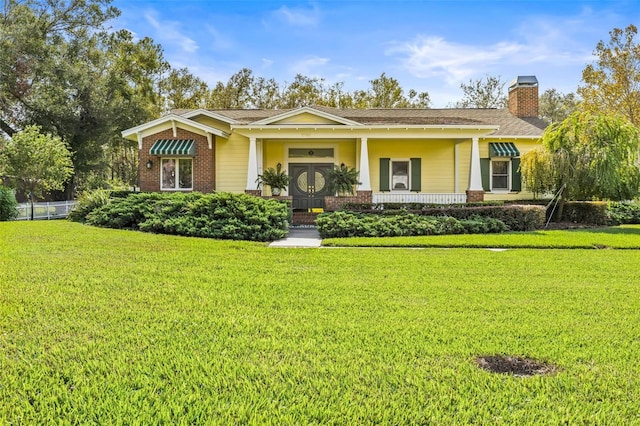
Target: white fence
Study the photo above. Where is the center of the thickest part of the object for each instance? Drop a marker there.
(51, 210)
(420, 198)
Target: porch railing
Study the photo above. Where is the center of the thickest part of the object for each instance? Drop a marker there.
(49, 210)
(420, 198)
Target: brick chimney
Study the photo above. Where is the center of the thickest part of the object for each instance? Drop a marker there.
(523, 96)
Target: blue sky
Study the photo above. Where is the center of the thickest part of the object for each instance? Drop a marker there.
(431, 46)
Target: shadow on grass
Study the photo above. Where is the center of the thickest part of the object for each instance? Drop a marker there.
(618, 230)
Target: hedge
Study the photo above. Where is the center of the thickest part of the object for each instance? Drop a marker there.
(516, 217)
(218, 215)
(354, 224)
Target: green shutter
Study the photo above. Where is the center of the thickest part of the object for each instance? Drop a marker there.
(485, 172)
(516, 176)
(416, 174)
(384, 174)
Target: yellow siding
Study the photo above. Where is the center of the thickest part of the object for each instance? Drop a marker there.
(464, 163)
(305, 118)
(232, 157)
(437, 161)
(524, 146)
(217, 124)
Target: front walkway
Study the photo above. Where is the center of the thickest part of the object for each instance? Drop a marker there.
(300, 237)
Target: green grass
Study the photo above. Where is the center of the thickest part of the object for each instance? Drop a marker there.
(107, 327)
(618, 237)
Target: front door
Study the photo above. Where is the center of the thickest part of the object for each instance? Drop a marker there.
(309, 185)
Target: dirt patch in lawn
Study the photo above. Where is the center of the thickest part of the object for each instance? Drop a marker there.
(518, 366)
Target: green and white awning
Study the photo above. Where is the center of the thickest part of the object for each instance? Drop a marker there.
(503, 149)
(176, 147)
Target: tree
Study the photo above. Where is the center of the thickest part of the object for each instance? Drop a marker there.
(183, 90)
(35, 162)
(303, 91)
(65, 72)
(612, 84)
(487, 92)
(586, 156)
(556, 106)
(386, 92)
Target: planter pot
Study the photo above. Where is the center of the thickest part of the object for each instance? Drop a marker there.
(275, 192)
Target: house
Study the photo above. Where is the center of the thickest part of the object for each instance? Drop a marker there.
(403, 155)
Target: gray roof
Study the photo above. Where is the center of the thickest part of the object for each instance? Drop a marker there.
(509, 124)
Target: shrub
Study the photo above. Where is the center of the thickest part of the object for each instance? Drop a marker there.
(623, 213)
(87, 202)
(516, 217)
(586, 212)
(8, 204)
(354, 224)
(219, 215)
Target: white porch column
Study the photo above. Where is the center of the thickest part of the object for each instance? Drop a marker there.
(365, 179)
(475, 177)
(252, 167)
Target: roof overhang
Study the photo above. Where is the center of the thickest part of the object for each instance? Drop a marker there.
(171, 120)
(210, 114)
(397, 131)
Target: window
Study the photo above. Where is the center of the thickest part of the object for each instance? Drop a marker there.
(310, 152)
(176, 174)
(500, 175)
(399, 175)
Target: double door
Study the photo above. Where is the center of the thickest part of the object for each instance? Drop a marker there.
(309, 185)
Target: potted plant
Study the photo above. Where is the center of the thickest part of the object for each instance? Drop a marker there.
(276, 178)
(343, 179)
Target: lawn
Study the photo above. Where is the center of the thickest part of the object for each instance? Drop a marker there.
(108, 327)
(618, 237)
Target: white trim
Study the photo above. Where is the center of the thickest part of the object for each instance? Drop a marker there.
(391, 185)
(509, 178)
(252, 165)
(365, 176)
(475, 176)
(173, 119)
(176, 187)
(309, 110)
(210, 140)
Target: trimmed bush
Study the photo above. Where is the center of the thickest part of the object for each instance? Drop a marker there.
(516, 217)
(353, 224)
(8, 204)
(585, 212)
(219, 215)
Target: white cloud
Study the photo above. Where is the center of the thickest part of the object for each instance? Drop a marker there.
(306, 66)
(455, 62)
(299, 17)
(168, 32)
(266, 63)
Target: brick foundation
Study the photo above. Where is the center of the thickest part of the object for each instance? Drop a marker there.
(203, 162)
(303, 218)
(332, 203)
(254, 192)
(475, 196)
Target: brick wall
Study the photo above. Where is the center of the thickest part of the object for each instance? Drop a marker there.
(203, 162)
(475, 196)
(335, 203)
(523, 101)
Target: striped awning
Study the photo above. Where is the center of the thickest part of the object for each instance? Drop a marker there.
(177, 147)
(503, 149)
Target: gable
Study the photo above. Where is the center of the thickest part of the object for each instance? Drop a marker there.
(306, 118)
